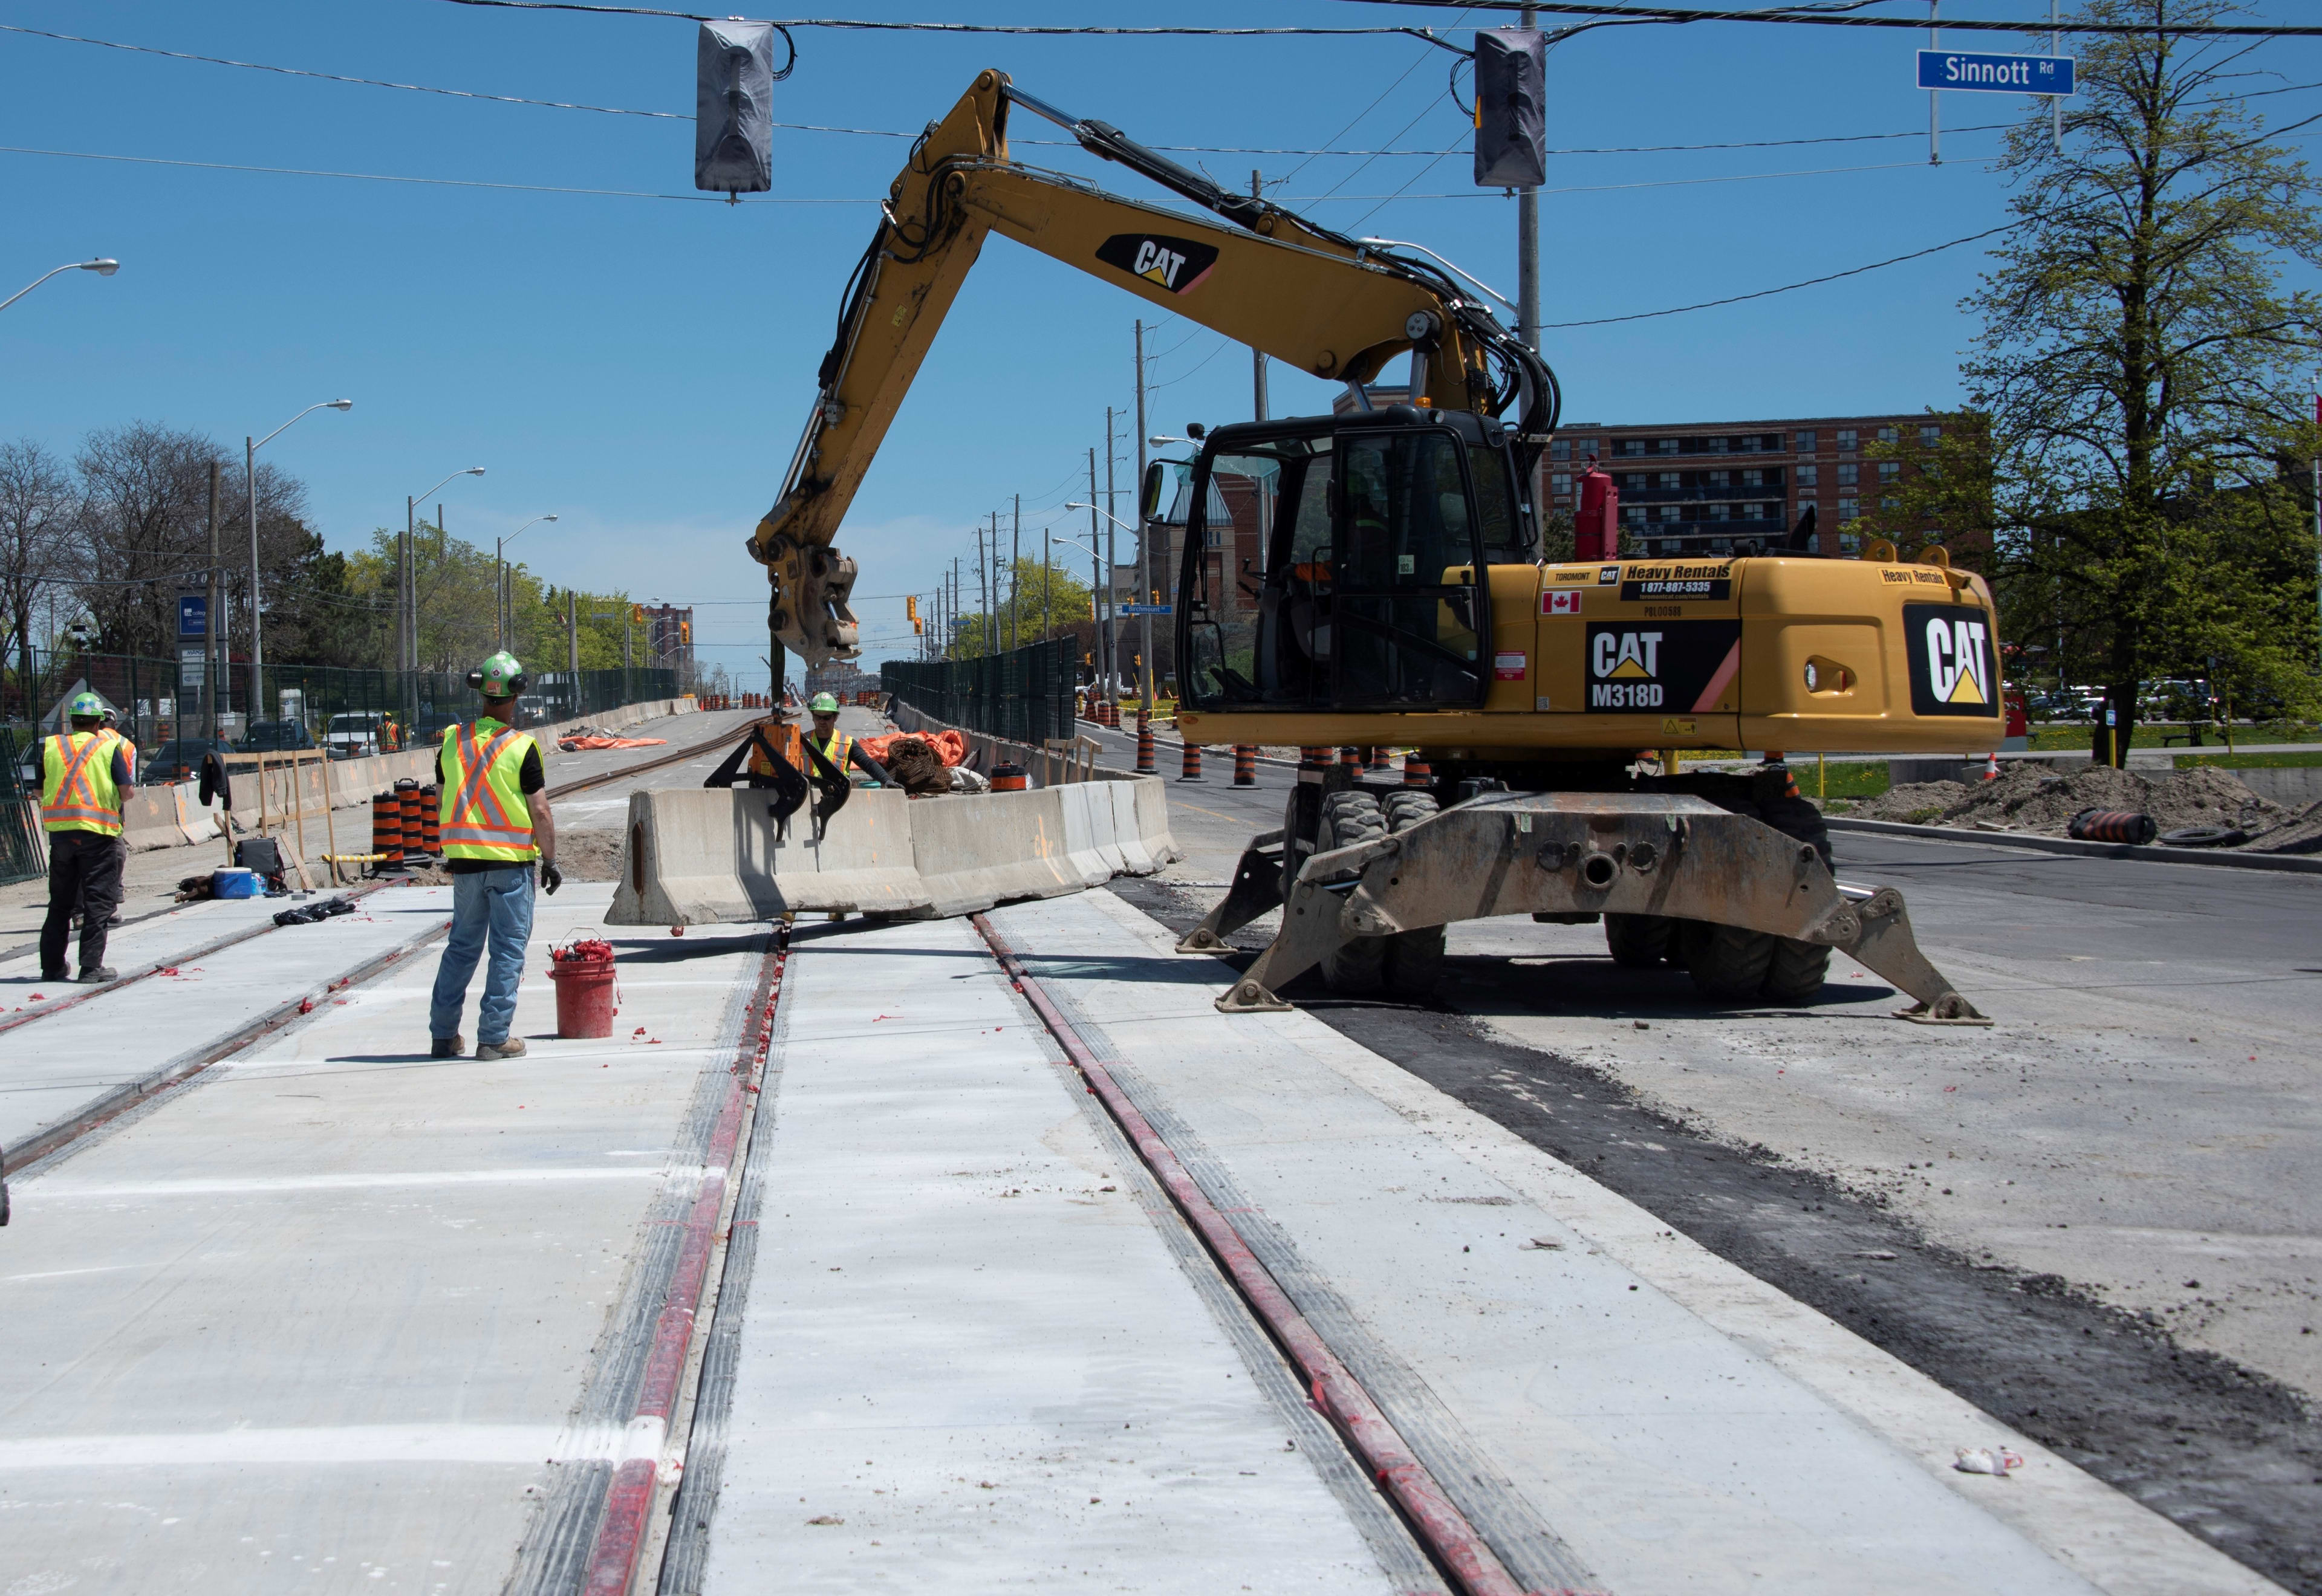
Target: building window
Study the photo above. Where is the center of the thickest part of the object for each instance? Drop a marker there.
(1753, 479)
(1560, 482)
(1664, 446)
(1809, 476)
(1672, 512)
(1806, 443)
(1888, 470)
(1633, 446)
(1716, 478)
(1849, 544)
(1929, 435)
(1890, 504)
(1634, 482)
(1714, 445)
(1849, 474)
(1718, 512)
(1846, 440)
(1721, 545)
(1849, 509)
(1887, 435)
(1561, 449)
(1671, 480)
(1632, 514)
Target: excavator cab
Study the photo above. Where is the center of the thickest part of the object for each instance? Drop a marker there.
(1332, 564)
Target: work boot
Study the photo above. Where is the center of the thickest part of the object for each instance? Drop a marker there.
(447, 1047)
(513, 1048)
(98, 976)
(59, 973)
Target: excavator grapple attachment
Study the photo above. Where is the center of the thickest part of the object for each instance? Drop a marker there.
(1668, 856)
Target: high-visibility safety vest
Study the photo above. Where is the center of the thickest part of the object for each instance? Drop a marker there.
(78, 792)
(482, 814)
(836, 750)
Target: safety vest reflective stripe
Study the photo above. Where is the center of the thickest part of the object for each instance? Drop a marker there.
(844, 745)
(78, 801)
(462, 822)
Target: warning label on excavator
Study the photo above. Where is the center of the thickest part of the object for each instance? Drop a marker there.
(1954, 667)
(1681, 665)
(1175, 264)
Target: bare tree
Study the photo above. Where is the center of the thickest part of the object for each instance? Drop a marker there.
(37, 502)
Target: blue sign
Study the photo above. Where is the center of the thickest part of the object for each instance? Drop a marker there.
(1996, 73)
(193, 615)
(1145, 609)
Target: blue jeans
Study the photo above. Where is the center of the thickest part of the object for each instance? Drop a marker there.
(497, 904)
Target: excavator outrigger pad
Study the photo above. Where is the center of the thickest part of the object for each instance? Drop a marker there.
(1565, 853)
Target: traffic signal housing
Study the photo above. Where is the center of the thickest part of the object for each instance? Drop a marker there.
(1511, 108)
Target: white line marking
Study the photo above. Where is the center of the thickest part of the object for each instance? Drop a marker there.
(365, 1442)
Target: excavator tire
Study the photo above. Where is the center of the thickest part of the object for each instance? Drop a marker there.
(1414, 959)
(1640, 942)
(1727, 963)
(1359, 967)
(1797, 971)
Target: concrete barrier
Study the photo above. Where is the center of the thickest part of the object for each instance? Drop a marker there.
(697, 856)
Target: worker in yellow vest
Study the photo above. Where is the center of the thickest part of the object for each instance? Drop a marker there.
(836, 745)
(494, 822)
(85, 776)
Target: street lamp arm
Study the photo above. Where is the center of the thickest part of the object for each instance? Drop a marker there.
(294, 421)
(1108, 514)
(103, 268)
(470, 471)
(1076, 543)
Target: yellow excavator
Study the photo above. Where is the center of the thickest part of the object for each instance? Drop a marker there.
(1374, 577)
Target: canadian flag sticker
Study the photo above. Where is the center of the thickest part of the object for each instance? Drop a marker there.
(1560, 604)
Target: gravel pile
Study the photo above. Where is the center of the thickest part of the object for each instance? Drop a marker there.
(2034, 798)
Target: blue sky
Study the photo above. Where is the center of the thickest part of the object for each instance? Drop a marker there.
(641, 365)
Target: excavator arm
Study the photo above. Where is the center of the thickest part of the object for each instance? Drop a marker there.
(1261, 274)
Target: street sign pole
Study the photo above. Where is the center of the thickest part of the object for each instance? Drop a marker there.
(1934, 96)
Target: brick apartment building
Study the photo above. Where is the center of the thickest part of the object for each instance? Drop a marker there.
(1700, 487)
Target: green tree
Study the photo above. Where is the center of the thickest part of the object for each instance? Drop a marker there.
(1041, 602)
(2143, 369)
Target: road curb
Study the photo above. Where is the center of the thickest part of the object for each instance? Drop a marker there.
(2296, 864)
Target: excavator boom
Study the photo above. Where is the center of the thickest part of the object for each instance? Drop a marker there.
(1258, 274)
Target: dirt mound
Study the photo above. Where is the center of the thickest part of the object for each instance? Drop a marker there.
(1916, 802)
(592, 855)
(2033, 798)
(2300, 833)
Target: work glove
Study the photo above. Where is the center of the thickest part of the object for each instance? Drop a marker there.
(551, 878)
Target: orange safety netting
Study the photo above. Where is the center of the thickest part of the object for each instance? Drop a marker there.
(576, 744)
(950, 745)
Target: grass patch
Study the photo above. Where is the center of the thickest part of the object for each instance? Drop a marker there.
(2249, 761)
(2061, 736)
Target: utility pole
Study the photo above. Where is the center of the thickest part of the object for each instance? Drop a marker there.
(1934, 96)
(1100, 633)
(406, 648)
(210, 625)
(256, 633)
(1527, 247)
(1015, 565)
(572, 641)
(1111, 565)
(1257, 355)
(1144, 549)
(1047, 547)
(2056, 102)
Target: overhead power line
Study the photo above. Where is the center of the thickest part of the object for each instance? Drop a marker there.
(1645, 315)
(862, 25)
(1805, 17)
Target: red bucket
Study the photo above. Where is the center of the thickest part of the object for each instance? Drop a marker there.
(583, 971)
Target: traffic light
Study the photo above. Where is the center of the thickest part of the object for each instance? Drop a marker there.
(637, 615)
(733, 96)
(911, 608)
(1510, 109)
(685, 631)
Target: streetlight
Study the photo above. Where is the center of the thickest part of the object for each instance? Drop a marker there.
(408, 643)
(503, 604)
(250, 448)
(105, 266)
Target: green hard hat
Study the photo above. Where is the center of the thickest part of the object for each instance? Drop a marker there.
(85, 705)
(824, 703)
(500, 677)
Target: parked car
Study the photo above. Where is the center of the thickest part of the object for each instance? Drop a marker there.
(277, 736)
(178, 760)
(357, 735)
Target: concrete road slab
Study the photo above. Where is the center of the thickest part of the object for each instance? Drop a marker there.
(320, 1321)
(1668, 1450)
(969, 1361)
(53, 1067)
